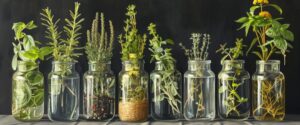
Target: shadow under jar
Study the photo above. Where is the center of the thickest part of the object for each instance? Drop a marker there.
(99, 92)
(234, 91)
(63, 98)
(27, 92)
(199, 91)
(133, 100)
(268, 91)
(166, 93)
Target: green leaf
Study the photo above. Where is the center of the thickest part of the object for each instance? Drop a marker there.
(222, 89)
(14, 63)
(272, 32)
(235, 84)
(253, 42)
(18, 28)
(281, 44)
(31, 25)
(278, 8)
(288, 35)
(34, 78)
(28, 42)
(253, 8)
(242, 20)
(29, 55)
(285, 26)
(257, 54)
(44, 51)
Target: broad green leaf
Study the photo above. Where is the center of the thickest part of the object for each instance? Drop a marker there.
(28, 42)
(280, 44)
(44, 51)
(272, 32)
(222, 89)
(285, 26)
(29, 55)
(288, 35)
(14, 62)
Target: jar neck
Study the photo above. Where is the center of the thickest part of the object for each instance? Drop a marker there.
(233, 64)
(58, 66)
(25, 66)
(194, 65)
(132, 65)
(99, 66)
(159, 65)
(268, 66)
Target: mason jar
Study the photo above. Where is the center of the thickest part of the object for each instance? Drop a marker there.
(268, 91)
(199, 91)
(99, 92)
(63, 89)
(133, 99)
(234, 91)
(27, 92)
(166, 93)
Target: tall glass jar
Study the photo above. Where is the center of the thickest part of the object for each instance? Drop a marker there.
(199, 91)
(99, 92)
(234, 91)
(133, 100)
(268, 91)
(63, 97)
(27, 92)
(166, 93)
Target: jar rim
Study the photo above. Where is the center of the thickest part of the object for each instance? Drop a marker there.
(233, 61)
(61, 62)
(268, 62)
(95, 62)
(200, 61)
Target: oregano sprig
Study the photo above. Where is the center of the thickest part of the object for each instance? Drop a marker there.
(132, 43)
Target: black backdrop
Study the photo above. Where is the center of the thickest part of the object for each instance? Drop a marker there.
(176, 19)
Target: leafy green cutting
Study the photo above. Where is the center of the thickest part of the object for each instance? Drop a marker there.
(28, 93)
(230, 84)
(168, 83)
(271, 36)
(25, 47)
(232, 53)
(99, 47)
(132, 43)
(63, 49)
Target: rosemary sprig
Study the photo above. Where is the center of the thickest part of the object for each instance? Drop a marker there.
(132, 43)
(99, 47)
(63, 49)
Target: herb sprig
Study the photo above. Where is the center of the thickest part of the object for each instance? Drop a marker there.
(63, 49)
(231, 53)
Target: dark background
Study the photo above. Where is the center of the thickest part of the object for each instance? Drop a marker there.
(176, 19)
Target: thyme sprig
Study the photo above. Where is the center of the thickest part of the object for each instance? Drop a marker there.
(99, 47)
(198, 51)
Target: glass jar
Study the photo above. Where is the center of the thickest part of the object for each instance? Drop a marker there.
(133, 100)
(166, 93)
(63, 88)
(268, 91)
(234, 91)
(27, 92)
(199, 91)
(99, 92)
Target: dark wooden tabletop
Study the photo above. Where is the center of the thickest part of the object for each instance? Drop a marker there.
(290, 120)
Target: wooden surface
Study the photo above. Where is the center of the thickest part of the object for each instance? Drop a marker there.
(290, 120)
